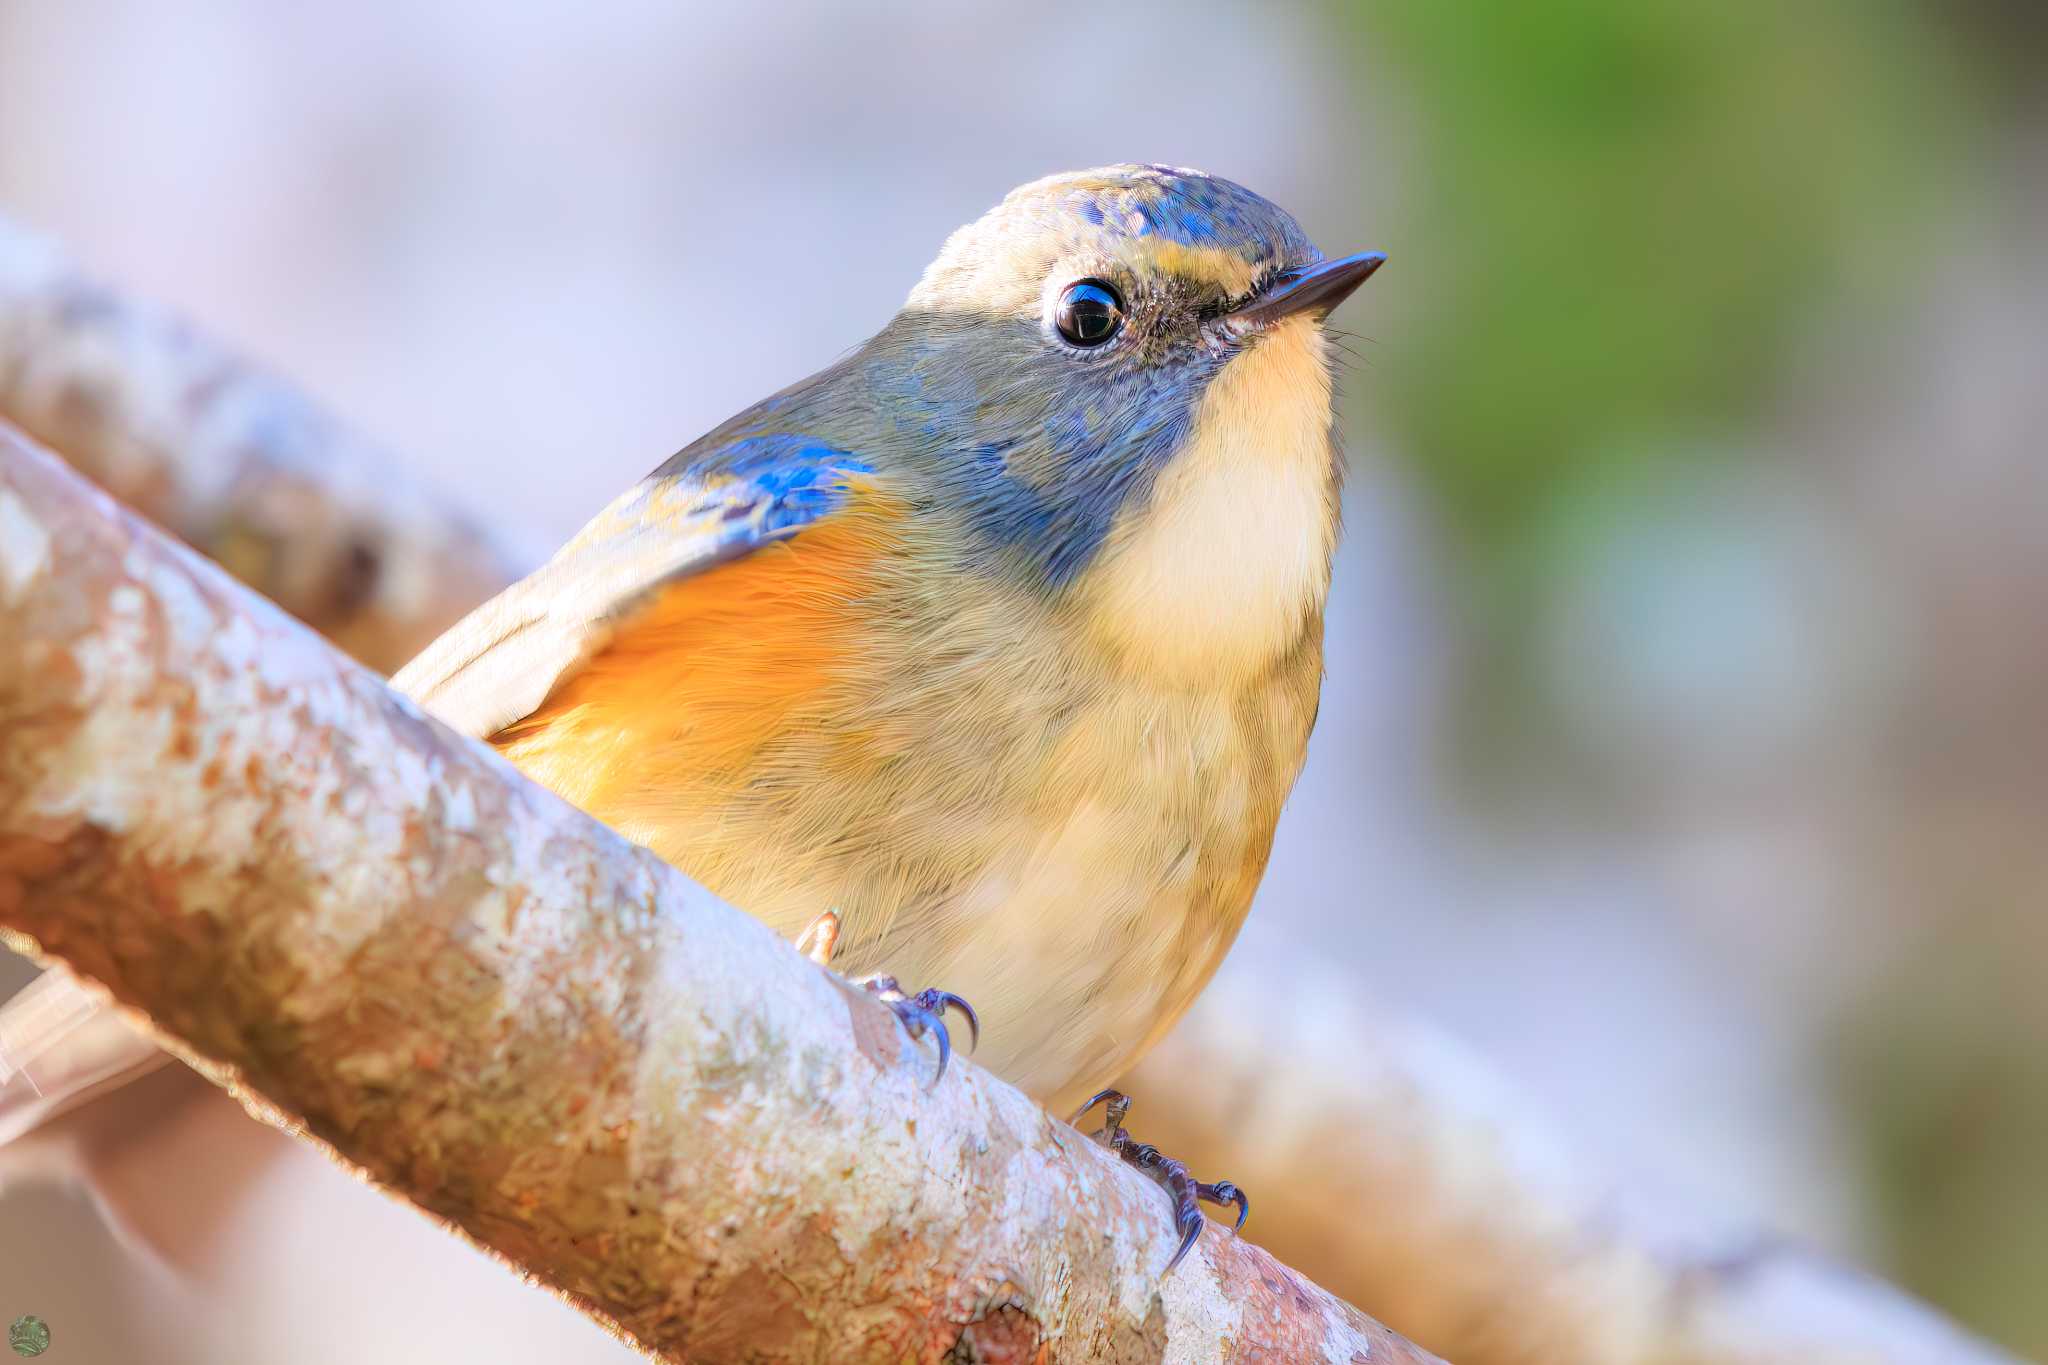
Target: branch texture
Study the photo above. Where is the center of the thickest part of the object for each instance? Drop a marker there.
(1440, 1197)
(380, 934)
(238, 464)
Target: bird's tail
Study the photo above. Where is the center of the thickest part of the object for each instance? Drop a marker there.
(60, 1045)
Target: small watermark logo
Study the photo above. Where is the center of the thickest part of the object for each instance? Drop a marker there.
(29, 1335)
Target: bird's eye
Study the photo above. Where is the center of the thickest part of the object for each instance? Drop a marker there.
(1089, 313)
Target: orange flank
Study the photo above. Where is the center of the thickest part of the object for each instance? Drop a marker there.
(686, 694)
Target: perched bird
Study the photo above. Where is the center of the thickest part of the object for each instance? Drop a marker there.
(987, 655)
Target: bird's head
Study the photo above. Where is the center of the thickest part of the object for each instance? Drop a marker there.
(1121, 377)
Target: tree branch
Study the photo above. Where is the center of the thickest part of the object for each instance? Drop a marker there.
(1393, 1166)
(382, 935)
(238, 464)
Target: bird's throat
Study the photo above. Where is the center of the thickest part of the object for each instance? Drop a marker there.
(1220, 570)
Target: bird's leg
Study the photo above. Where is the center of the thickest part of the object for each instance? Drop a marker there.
(1185, 1191)
(925, 1011)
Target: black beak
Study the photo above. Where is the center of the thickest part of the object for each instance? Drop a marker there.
(1316, 289)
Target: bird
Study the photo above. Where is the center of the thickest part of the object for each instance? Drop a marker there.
(985, 656)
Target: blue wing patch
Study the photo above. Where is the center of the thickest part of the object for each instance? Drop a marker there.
(708, 506)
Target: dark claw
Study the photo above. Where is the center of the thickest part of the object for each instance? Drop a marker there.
(1111, 1120)
(937, 1024)
(924, 1012)
(1189, 1220)
(1226, 1194)
(938, 1002)
(1186, 1192)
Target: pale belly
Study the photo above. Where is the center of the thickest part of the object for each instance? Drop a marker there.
(1081, 936)
(1077, 883)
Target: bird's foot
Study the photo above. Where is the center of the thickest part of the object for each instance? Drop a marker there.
(1186, 1192)
(925, 1012)
(920, 1013)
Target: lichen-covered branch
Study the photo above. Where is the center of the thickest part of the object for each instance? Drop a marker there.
(233, 461)
(1394, 1167)
(385, 937)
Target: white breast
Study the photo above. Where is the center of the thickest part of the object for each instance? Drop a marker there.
(1213, 577)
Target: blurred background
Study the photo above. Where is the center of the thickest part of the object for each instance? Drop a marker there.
(1685, 743)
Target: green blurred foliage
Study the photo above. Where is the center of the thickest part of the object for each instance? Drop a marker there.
(1628, 208)
(1621, 224)
(1946, 1068)
(1622, 218)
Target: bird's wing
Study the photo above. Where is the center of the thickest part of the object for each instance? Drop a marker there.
(501, 662)
(59, 1046)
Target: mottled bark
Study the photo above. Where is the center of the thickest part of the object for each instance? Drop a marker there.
(1391, 1165)
(381, 935)
(235, 462)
